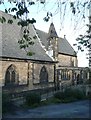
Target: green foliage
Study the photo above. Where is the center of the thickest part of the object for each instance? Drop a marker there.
(31, 3)
(50, 101)
(6, 11)
(13, 9)
(73, 7)
(21, 9)
(75, 93)
(26, 41)
(14, 16)
(55, 100)
(33, 99)
(26, 22)
(83, 40)
(30, 53)
(2, 19)
(70, 95)
(88, 82)
(59, 95)
(35, 37)
(48, 16)
(68, 100)
(6, 102)
(10, 21)
(35, 105)
(89, 96)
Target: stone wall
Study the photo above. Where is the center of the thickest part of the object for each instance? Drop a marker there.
(24, 68)
(78, 76)
(1, 73)
(21, 69)
(66, 60)
(36, 68)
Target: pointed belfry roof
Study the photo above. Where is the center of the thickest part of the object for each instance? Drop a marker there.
(52, 32)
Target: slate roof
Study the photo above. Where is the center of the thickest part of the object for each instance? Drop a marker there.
(10, 47)
(10, 34)
(52, 32)
(64, 46)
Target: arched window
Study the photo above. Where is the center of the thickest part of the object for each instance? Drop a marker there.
(43, 75)
(11, 76)
(7, 77)
(78, 77)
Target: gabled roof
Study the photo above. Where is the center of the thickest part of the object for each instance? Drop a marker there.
(10, 47)
(64, 46)
(11, 33)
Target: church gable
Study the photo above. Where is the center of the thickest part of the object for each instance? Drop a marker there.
(10, 46)
(63, 45)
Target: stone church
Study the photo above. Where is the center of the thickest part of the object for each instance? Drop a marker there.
(22, 72)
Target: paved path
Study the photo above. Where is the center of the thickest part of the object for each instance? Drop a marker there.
(69, 110)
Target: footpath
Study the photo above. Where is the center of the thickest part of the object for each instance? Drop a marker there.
(80, 109)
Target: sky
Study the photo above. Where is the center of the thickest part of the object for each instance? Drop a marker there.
(64, 22)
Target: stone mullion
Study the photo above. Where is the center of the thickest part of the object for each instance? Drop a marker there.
(10, 76)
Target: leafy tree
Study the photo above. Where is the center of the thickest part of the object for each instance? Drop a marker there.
(83, 41)
(21, 12)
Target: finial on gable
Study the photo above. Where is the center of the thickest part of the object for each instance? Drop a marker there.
(64, 36)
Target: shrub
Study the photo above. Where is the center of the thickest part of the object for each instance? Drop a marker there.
(33, 98)
(59, 95)
(89, 95)
(64, 94)
(6, 102)
(75, 93)
(67, 100)
(78, 94)
(55, 100)
(70, 95)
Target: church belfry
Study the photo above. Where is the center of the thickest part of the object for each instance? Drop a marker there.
(53, 42)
